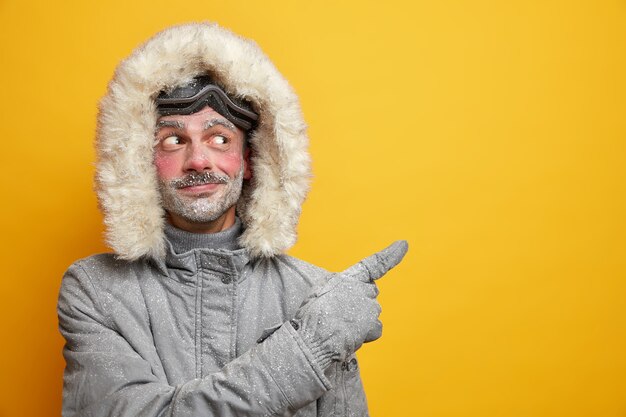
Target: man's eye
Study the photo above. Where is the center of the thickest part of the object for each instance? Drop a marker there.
(220, 140)
(171, 142)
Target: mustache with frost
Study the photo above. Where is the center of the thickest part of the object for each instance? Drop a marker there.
(194, 179)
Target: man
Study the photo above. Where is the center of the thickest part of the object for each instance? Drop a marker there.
(202, 168)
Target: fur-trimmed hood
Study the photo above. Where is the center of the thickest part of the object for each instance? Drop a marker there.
(126, 180)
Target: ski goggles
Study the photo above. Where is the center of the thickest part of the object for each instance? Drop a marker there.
(201, 92)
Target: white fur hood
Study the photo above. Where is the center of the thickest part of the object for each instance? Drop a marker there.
(126, 180)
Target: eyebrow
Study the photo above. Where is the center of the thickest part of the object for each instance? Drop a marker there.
(219, 121)
(170, 123)
(207, 125)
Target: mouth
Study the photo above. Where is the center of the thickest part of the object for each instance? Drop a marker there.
(201, 188)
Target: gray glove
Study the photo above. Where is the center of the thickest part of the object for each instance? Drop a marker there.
(339, 316)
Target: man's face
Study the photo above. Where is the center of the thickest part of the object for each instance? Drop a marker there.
(201, 164)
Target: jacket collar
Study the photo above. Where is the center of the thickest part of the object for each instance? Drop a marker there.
(186, 253)
(183, 241)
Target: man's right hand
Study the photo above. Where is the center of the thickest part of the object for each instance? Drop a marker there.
(339, 316)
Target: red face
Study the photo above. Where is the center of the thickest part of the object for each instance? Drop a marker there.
(201, 164)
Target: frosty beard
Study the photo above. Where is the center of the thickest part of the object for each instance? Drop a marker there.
(201, 208)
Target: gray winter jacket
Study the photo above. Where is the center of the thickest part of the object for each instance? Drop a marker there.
(205, 332)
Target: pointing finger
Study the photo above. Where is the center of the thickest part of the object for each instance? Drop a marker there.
(377, 265)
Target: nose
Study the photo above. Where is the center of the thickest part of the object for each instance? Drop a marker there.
(198, 159)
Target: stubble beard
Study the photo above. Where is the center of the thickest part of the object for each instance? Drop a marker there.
(202, 208)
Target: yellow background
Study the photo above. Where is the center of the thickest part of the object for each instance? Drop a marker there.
(489, 134)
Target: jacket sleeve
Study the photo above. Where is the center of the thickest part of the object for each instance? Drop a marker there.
(105, 376)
